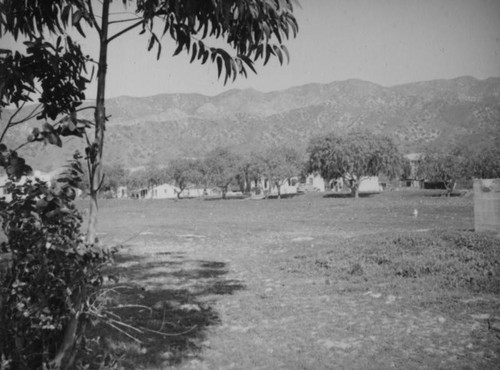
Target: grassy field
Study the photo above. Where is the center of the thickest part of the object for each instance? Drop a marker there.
(202, 277)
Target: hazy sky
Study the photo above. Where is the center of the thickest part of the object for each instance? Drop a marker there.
(387, 42)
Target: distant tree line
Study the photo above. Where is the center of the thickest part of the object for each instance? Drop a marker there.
(459, 163)
(221, 168)
(347, 156)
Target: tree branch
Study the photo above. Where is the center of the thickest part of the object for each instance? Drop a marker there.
(124, 20)
(90, 107)
(11, 122)
(124, 31)
(94, 21)
(27, 118)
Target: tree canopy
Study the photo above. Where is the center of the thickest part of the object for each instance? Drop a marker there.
(279, 164)
(459, 163)
(444, 167)
(484, 163)
(222, 165)
(249, 170)
(352, 156)
(183, 172)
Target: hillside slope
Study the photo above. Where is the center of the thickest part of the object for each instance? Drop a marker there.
(436, 113)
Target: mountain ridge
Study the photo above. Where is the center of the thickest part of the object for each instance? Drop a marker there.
(419, 114)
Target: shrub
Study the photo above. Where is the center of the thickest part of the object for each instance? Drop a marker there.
(46, 284)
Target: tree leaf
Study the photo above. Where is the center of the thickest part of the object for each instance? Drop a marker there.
(219, 65)
(194, 52)
(248, 62)
(76, 17)
(179, 48)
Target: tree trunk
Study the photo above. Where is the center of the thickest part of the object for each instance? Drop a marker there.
(248, 183)
(355, 191)
(450, 186)
(74, 328)
(100, 121)
(354, 185)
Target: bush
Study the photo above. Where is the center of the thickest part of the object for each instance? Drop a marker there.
(45, 287)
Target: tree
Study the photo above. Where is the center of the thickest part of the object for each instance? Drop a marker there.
(251, 29)
(249, 169)
(137, 179)
(279, 164)
(484, 163)
(222, 164)
(204, 177)
(183, 172)
(353, 156)
(115, 175)
(406, 169)
(444, 167)
(154, 174)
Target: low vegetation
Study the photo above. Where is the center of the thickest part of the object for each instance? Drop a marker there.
(440, 261)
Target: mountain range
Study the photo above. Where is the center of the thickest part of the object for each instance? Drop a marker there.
(439, 113)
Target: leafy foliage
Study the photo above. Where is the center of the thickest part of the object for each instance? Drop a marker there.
(249, 169)
(14, 166)
(352, 156)
(183, 172)
(222, 165)
(50, 266)
(204, 177)
(279, 164)
(56, 71)
(114, 176)
(249, 28)
(443, 167)
(407, 171)
(484, 164)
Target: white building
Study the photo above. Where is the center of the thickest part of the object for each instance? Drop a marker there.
(163, 191)
(314, 182)
(121, 192)
(289, 186)
(368, 184)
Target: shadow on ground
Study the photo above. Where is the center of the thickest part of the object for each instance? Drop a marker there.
(160, 314)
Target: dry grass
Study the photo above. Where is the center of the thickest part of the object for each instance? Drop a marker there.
(446, 262)
(356, 245)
